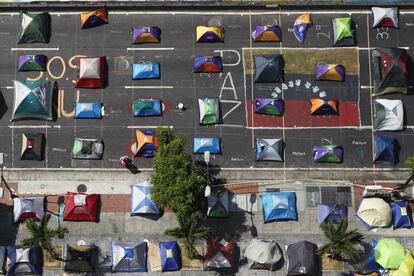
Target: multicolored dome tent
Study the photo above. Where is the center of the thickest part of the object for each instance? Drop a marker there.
(32, 63)
(330, 72)
(145, 70)
(146, 35)
(81, 207)
(401, 214)
(211, 145)
(218, 204)
(264, 254)
(92, 110)
(388, 114)
(208, 64)
(147, 107)
(385, 149)
(279, 206)
(406, 267)
(220, 253)
(91, 149)
(170, 257)
(302, 259)
(32, 146)
(343, 32)
(34, 27)
(81, 258)
(93, 18)
(301, 25)
(269, 68)
(24, 261)
(269, 106)
(129, 256)
(385, 17)
(32, 100)
(331, 213)
(324, 107)
(209, 111)
(374, 212)
(389, 253)
(91, 72)
(267, 33)
(147, 143)
(390, 70)
(327, 154)
(269, 149)
(141, 202)
(28, 207)
(209, 34)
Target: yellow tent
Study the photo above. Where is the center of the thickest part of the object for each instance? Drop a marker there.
(375, 212)
(209, 34)
(406, 268)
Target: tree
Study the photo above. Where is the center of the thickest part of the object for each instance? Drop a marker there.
(42, 236)
(190, 230)
(178, 183)
(343, 244)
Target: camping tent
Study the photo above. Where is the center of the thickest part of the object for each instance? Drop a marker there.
(385, 17)
(34, 27)
(93, 18)
(401, 213)
(91, 72)
(328, 154)
(279, 206)
(81, 207)
(329, 72)
(375, 212)
(302, 259)
(28, 207)
(389, 253)
(147, 107)
(269, 33)
(209, 111)
(129, 257)
(343, 32)
(301, 25)
(388, 114)
(81, 258)
(269, 68)
(331, 213)
(32, 146)
(91, 149)
(32, 63)
(25, 261)
(390, 70)
(92, 110)
(145, 70)
(269, 106)
(406, 267)
(147, 143)
(141, 202)
(269, 149)
(170, 256)
(264, 254)
(220, 253)
(207, 64)
(209, 34)
(385, 149)
(218, 204)
(324, 107)
(212, 145)
(32, 100)
(146, 35)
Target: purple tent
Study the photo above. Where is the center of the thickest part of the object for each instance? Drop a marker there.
(328, 154)
(267, 33)
(332, 72)
(146, 35)
(32, 63)
(269, 106)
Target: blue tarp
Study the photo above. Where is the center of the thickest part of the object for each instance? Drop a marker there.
(333, 213)
(202, 145)
(401, 214)
(147, 107)
(279, 206)
(25, 261)
(170, 260)
(91, 110)
(385, 149)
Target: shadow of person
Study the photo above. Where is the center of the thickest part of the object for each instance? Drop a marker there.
(132, 168)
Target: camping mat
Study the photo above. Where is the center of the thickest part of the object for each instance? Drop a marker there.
(154, 257)
(53, 264)
(194, 264)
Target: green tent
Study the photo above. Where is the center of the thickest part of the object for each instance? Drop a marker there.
(209, 111)
(343, 31)
(389, 253)
(32, 145)
(34, 27)
(91, 149)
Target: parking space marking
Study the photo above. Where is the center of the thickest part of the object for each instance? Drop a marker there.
(148, 87)
(34, 49)
(133, 127)
(30, 126)
(151, 49)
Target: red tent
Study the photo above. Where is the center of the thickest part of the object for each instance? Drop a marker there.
(81, 207)
(91, 72)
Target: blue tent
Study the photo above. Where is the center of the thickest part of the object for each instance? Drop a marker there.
(91, 110)
(170, 259)
(25, 261)
(147, 107)
(385, 152)
(333, 213)
(208, 64)
(129, 257)
(401, 214)
(279, 206)
(372, 265)
(141, 202)
(202, 145)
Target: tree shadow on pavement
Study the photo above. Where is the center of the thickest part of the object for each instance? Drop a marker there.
(8, 228)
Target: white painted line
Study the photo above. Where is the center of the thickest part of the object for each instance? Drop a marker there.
(57, 126)
(7, 87)
(366, 87)
(133, 127)
(322, 127)
(34, 49)
(30, 126)
(239, 13)
(147, 87)
(315, 169)
(229, 125)
(151, 49)
(372, 48)
(316, 49)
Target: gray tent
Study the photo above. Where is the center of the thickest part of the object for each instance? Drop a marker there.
(87, 148)
(218, 204)
(388, 114)
(269, 68)
(263, 253)
(302, 259)
(269, 149)
(385, 17)
(89, 68)
(129, 257)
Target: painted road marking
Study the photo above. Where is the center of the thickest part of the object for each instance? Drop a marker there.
(34, 49)
(44, 126)
(151, 49)
(147, 87)
(7, 87)
(132, 127)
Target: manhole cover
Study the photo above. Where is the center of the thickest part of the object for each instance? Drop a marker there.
(82, 188)
(123, 64)
(214, 22)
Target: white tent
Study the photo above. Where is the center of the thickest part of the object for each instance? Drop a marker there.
(24, 208)
(141, 202)
(375, 212)
(385, 17)
(266, 253)
(389, 114)
(89, 68)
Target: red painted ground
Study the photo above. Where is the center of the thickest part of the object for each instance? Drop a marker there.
(297, 114)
